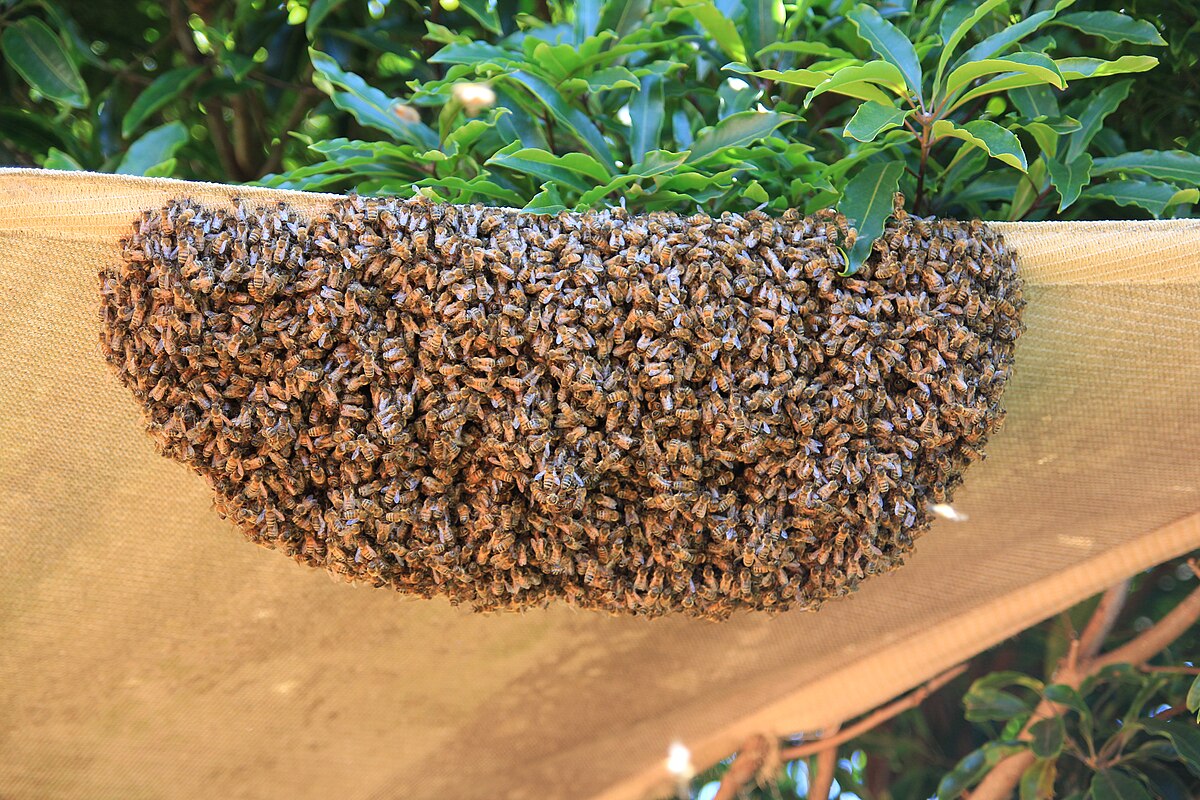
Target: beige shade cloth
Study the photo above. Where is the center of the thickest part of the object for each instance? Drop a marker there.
(148, 651)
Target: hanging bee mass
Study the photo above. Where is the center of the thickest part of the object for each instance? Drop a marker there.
(640, 414)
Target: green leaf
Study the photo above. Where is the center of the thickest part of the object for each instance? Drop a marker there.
(565, 170)
(1005, 678)
(867, 202)
(1034, 64)
(623, 16)
(1193, 696)
(484, 13)
(166, 87)
(1006, 37)
(1069, 178)
(859, 89)
(38, 56)
(1046, 737)
(872, 119)
(547, 201)
(646, 117)
(1097, 108)
(717, 25)
(1114, 784)
(764, 22)
(1078, 68)
(805, 48)
(1184, 735)
(57, 159)
(1037, 783)
(605, 79)
(1153, 196)
(472, 190)
(1034, 102)
(368, 105)
(957, 35)
(587, 16)
(738, 130)
(1166, 165)
(155, 147)
(974, 766)
(658, 162)
(988, 703)
(873, 73)
(1112, 26)
(572, 118)
(890, 44)
(318, 10)
(999, 143)
(474, 53)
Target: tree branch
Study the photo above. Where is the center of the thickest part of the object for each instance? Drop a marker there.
(1157, 638)
(873, 719)
(1102, 620)
(821, 779)
(743, 769)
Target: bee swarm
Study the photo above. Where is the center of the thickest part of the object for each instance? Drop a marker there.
(640, 414)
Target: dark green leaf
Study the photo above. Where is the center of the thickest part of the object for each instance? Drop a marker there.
(368, 105)
(646, 117)
(889, 43)
(872, 119)
(1035, 101)
(475, 53)
(736, 131)
(965, 774)
(474, 190)
(1193, 696)
(575, 170)
(1183, 734)
(1153, 196)
(1004, 38)
(1112, 26)
(623, 16)
(764, 21)
(572, 118)
(318, 10)
(1005, 678)
(1069, 178)
(587, 16)
(1037, 783)
(999, 142)
(38, 56)
(988, 703)
(1168, 165)
(1114, 784)
(484, 12)
(155, 147)
(867, 202)
(1046, 737)
(547, 201)
(1091, 120)
(658, 162)
(166, 87)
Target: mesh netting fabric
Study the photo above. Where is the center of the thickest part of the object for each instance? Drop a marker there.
(149, 651)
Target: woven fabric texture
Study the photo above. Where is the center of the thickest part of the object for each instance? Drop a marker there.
(149, 651)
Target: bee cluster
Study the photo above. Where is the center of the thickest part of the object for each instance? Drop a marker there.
(639, 414)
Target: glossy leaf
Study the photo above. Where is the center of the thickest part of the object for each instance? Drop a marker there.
(805, 48)
(57, 159)
(966, 773)
(889, 43)
(736, 131)
(872, 119)
(874, 73)
(570, 117)
(867, 202)
(1069, 178)
(1033, 64)
(1167, 165)
(1078, 68)
(716, 25)
(163, 90)
(368, 105)
(993, 704)
(1181, 733)
(1115, 784)
(155, 147)
(38, 56)
(1193, 696)
(581, 172)
(1154, 196)
(859, 89)
(956, 36)
(587, 17)
(475, 190)
(1005, 38)
(646, 113)
(763, 21)
(1113, 26)
(997, 141)
(1034, 101)
(547, 201)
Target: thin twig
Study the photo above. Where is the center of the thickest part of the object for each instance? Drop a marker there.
(1102, 620)
(875, 718)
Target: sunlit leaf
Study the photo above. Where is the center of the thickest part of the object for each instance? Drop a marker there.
(547, 201)
(999, 142)
(736, 131)
(889, 43)
(1167, 165)
(575, 170)
(1154, 196)
(872, 119)
(1083, 67)
(57, 159)
(861, 90)
(570, 117)
(369, 105)
(848, 80)
(1033, 64)
(763, 21)
(951, 43)
(717, 25)
(623, 16)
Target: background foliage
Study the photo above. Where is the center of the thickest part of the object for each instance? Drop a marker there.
(1003, 109)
